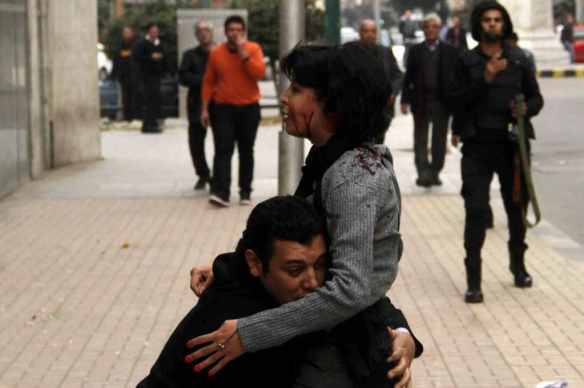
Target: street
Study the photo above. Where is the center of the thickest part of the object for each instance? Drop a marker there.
(558, 155)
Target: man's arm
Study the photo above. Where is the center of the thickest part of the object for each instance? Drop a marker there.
(408, 80)
(396, 76)
(533, 97)
(209, 81)
(187, 76)
(254, 63)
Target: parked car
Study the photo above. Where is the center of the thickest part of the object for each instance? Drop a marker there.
(110, 98)
(578, 44)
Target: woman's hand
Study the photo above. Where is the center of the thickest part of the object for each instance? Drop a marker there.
(404, 350)
(218, 349)
(201, 279)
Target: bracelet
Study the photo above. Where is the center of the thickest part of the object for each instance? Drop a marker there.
(403, 330)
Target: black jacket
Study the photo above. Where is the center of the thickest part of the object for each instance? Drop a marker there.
(393, 72)
(413, 88)
(472, 96)
(233, 294)
(191, 73)
(461, 45)
(145, 54)
(123, 68)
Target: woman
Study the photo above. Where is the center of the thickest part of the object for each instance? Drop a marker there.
(336, 100)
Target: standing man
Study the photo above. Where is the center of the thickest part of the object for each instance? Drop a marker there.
(487, 80)
(456, 35)
(368, 34)
(191, 72)
(231, 82)
(567, 36)
(428, 72)
(123, 71)
(152, 64)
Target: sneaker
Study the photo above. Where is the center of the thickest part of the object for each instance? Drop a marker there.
(201, 183)
(216, 200)
(245, 200)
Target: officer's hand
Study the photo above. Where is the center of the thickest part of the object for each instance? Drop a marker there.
(518, 110)
(494, 66)
(403, 353)
(404, 108)
(391, 101)
(201, 279)
(205, 118)
(455, 140)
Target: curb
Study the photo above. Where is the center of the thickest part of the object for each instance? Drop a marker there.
(561, 73)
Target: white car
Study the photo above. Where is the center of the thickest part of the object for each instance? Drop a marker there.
(104, 64)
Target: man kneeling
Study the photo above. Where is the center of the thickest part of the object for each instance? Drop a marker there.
(281, 257)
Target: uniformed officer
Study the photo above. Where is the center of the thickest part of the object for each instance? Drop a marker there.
(487, 80)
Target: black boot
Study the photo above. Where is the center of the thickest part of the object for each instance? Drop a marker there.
(473, 279)
(517, 266)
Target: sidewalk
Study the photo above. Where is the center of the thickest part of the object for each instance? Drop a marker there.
(95, 260)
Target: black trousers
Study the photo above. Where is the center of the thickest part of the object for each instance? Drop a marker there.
(479, 163)
(233, 124)
(129, 102)
(437, 115)
(197, 135)
(151, 104)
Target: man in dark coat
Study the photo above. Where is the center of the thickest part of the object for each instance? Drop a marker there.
(368, 35)
(191, 73)
(486, 83)
(456, 35)
(567, 36)
(124, 72)
(281, 257)
(428, 72)
(149, 56)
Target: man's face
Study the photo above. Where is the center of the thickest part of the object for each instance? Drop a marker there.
(295, 269)
(431, 30)
(127, 34)
(455, 22)
(153, 32)
(204, 35)
(368, 32)
(492, 25)
(234, 32)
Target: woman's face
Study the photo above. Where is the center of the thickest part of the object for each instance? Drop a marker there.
(303, 114)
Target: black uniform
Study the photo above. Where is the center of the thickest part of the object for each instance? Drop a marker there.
(482, 120)
(151, 62)
(125, 73)
(191, 73)
(395, 78)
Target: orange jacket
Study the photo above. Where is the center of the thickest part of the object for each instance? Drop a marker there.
(231, 80)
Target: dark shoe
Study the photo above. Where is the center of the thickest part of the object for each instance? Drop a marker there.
(436, 180)
(245, 200)
(216, 200)
(521, 277)
(423, 181)
(202, 183)
(473, 293)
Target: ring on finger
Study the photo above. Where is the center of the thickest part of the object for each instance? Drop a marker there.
(221, 346)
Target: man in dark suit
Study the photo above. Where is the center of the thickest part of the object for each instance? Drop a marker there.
(428, 72)
(456, 35)
(368, 35)
(191, 73)
(124, 72)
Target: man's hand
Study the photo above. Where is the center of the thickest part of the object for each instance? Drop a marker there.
(517, 110)
(391, 101)
(240, 42)
(404, 108)
(404, 350)
(205, 117)
(221, 347)
(494, 66)
(455, 140)
(201, 279)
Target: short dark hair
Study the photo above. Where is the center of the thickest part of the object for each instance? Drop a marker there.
(234, 19)
(352, 82)
(279, 218)
(150, 25)
(514, 37)
(477, 14)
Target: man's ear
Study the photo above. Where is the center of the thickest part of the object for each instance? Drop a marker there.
(253, 263)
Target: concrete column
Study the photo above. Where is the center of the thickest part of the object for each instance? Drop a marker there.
(580, 11)
(533, 22)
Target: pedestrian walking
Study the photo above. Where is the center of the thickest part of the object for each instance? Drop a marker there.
(456, 35)
(428, 72)
(124, 72)
(487, 80)
(407, 28)
(567, 36)
(368, 34)
(191, 73)
(151, 61)
(231, 82)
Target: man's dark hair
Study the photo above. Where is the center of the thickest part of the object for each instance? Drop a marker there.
(514, 37)
(351, 81)
(150, 25)
(477, 14)
(279, 218)
(234, 19)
